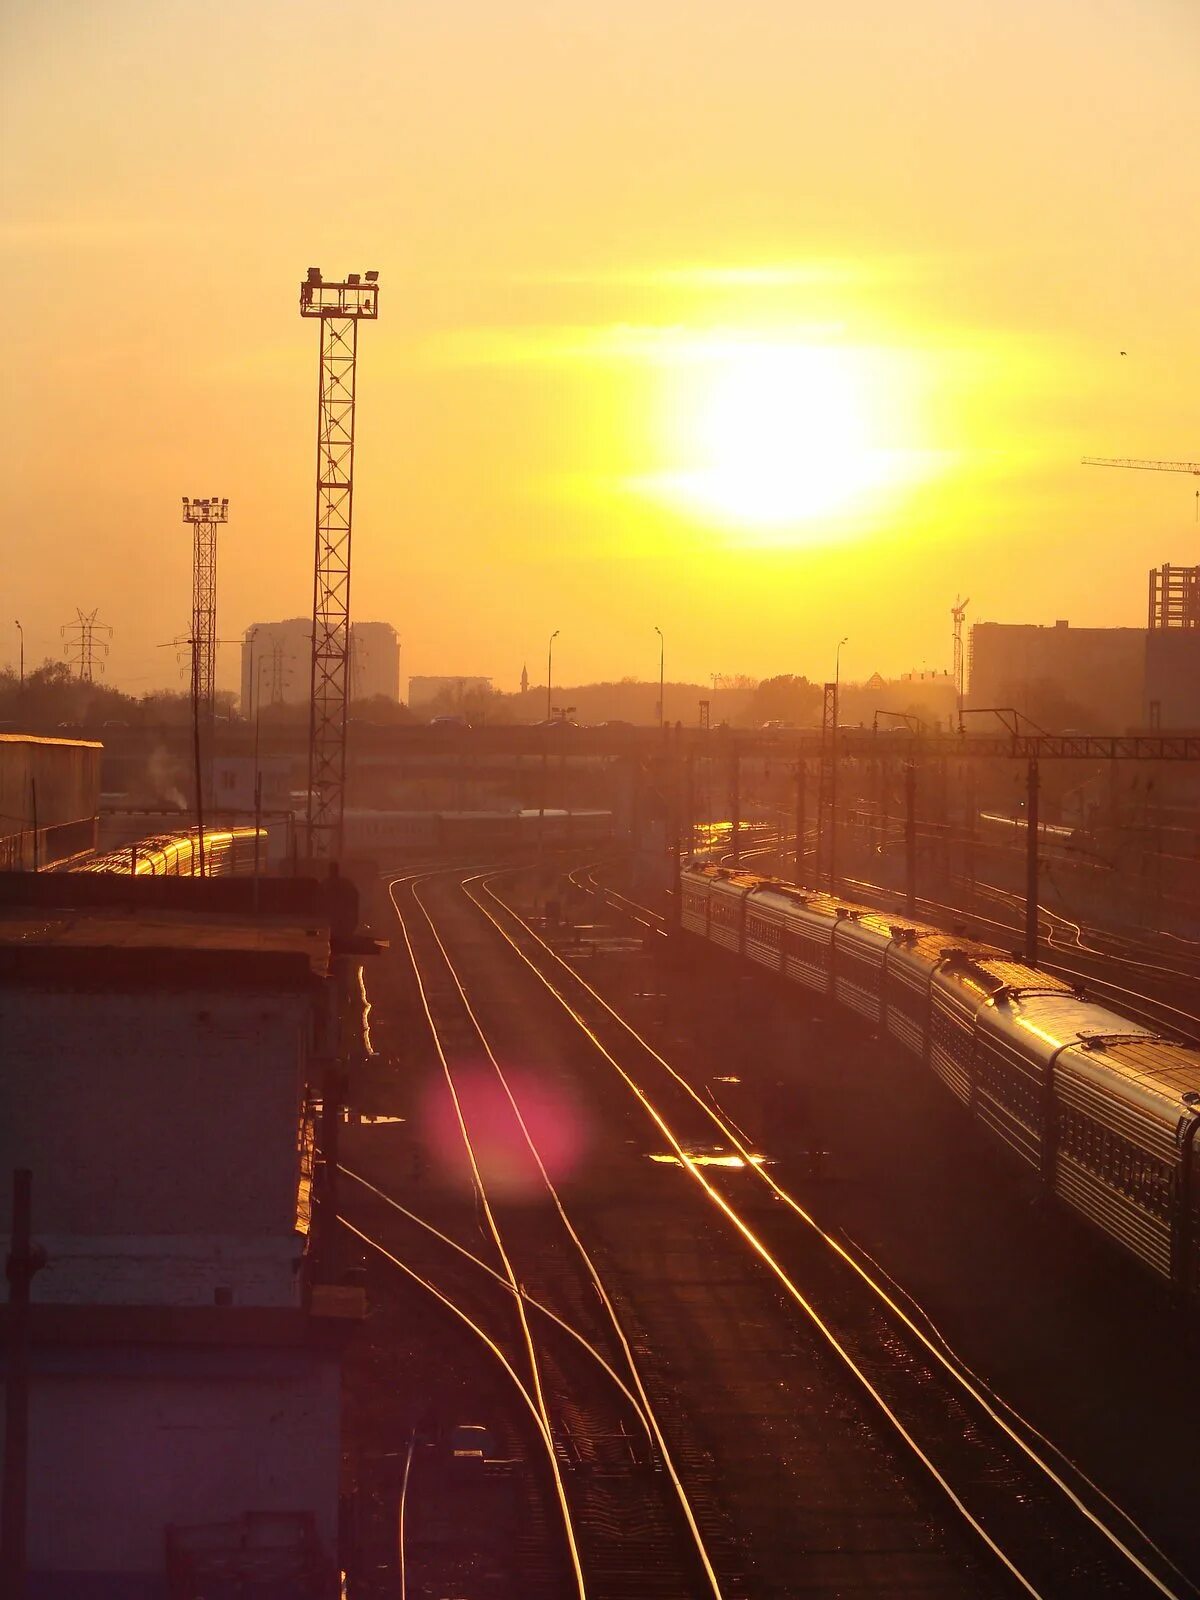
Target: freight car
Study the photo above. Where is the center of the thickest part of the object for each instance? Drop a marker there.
(1104, 1112)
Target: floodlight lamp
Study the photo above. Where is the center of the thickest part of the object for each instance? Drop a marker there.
(372, 277)
(354, 277)
(314, 275)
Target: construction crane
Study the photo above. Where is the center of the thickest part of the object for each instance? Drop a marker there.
(1146, 466)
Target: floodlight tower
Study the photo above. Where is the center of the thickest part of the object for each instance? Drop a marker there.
(340, 307)
(205, 516)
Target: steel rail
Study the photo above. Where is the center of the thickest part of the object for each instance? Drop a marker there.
(481, 1192)
(644, 1409)
(499, 1278)
(789, 1200)
(690, 1167)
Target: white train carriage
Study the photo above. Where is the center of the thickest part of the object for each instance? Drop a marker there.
(808, 942)
(726, 910)
(1017, 1033)
(861, 940)
(1123, 1137)
(693, 901)
(960, 986)
(766, 920)
(912, 960)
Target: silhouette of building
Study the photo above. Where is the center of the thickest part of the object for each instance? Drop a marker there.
(1102, 679)
(282, 662)
(425, 691)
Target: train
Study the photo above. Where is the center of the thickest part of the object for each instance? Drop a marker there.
(1103, 1112)
(226, 851)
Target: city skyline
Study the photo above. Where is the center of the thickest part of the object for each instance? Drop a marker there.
(780, 339)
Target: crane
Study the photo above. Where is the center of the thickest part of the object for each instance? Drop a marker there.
(1146, 466)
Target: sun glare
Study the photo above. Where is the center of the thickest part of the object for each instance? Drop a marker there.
(770, 435)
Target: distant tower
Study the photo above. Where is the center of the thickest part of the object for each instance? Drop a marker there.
(277, 673)
(524, 680)
(205, 517)
(82, 644)
(339, 306)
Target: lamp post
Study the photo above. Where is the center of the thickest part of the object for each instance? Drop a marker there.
(662, 650)
(550, 671)
(833, 770)
(248, 712)
(21, 633)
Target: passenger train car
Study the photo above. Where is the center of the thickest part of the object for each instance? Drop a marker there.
(226, 851)
(1103, 1112)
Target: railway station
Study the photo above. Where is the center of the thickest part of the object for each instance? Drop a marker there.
(600, 924)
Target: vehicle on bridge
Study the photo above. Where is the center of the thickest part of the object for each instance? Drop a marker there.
(1103, 1112)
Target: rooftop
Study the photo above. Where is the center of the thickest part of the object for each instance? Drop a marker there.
(101, 945)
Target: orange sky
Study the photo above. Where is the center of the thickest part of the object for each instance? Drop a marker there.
(765, 324)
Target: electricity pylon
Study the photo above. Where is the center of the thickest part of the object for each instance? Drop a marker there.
(82, 645)
(340, 307)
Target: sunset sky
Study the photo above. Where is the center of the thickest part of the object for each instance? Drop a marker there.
(763, 323)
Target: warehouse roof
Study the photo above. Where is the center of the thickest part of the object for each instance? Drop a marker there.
(103, 946)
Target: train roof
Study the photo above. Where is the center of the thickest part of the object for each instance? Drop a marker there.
(1058, 1017)
(1163, 1075)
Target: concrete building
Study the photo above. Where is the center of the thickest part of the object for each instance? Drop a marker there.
(49, 800)
(282, 663)
(184, 1373)
(423, 692)
(1105, 680)
(1091, 678)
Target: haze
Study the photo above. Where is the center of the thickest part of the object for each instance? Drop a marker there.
(763, 324)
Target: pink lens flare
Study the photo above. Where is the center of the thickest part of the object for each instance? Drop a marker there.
(506, 1164)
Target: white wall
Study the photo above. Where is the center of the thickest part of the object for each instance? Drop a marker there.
(114, 1459)
(165, 1117)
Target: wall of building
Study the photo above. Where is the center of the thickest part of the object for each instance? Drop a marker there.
(1096, 673)
(155, 1125)
(1172, 679)
(60, 779)
(125, 1442)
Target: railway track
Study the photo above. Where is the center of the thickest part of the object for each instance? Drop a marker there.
(541, 1307)
(1049, 1531)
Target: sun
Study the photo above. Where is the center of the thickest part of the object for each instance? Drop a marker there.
(774, 434)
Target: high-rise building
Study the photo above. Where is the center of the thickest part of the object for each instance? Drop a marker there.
(280, 656)
(425, 691)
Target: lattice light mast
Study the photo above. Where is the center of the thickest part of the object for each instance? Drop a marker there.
(340, 308)
(205, 516)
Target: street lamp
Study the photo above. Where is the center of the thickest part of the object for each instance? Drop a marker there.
(248, 712)
(833, 767)
(662, 650)
(550, 671)
(21, 632)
